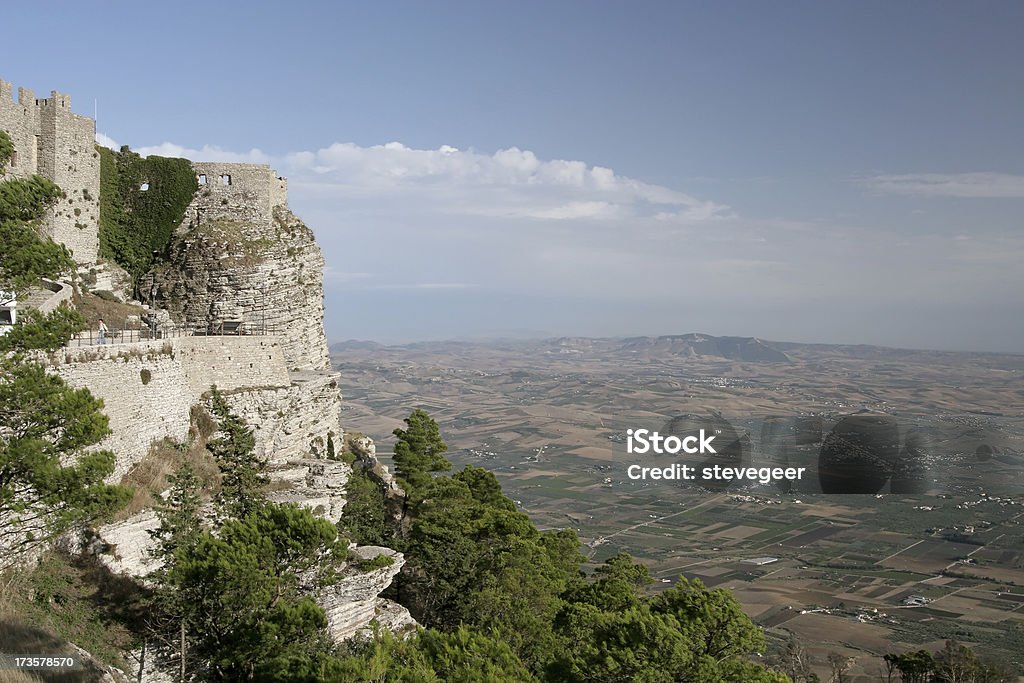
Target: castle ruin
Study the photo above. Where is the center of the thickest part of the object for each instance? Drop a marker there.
(52, 141)
(239, 261)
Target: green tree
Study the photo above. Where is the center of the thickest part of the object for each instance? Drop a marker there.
(610, 632)
(914, 667)
(180, 528)
(179, 513)
(50, 477)
(473, 559)
(363, 518)
(430, 656)
(245, 593)
(957, 663)
(39, 331)
(27, 199)
(25, 255)
(418, 452)
(711, 620)
(234, 448)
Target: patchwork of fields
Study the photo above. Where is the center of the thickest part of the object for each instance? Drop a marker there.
(858, 574)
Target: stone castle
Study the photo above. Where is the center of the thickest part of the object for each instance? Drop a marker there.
(244, 269)
(52, 141)
(239, 258)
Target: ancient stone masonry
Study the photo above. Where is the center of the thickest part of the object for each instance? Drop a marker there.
(148, 390)
(237, 192)
(52, 141)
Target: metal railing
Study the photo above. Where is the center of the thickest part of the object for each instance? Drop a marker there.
(136, 334)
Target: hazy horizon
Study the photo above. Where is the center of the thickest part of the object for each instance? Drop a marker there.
(513, 335)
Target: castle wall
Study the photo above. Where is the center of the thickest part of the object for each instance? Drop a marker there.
(237, 192)
(232, 363)
(20, 120)
(52, 141)
(179, 371)
(140, 414)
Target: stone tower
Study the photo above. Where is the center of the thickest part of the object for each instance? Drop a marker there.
(52, 141)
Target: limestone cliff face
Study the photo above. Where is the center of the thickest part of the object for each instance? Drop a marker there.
(251, 275)
(353, 603)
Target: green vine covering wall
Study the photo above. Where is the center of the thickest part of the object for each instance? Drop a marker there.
(136, 222)
(6, 150)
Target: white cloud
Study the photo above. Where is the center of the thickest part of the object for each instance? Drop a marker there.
(972, 185)
(205, 153)
(106, 141)
(511, 182)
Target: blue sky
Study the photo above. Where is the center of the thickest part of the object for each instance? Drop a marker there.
(834, 172)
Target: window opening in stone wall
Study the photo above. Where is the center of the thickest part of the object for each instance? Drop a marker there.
(202, 178)
(225, 180)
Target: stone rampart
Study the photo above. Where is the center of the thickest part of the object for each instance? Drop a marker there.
(149, 388)
(52, 141)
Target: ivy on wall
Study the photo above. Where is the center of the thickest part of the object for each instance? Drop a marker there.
(142, 202)
(6, 150)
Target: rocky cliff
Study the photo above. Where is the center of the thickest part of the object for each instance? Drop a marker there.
(234, 267)
(240, 300)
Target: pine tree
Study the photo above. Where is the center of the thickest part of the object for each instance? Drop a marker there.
(419, 451)
(234, 448)
(178, 512)
(51, 475)
(179, 531)
(247, 610)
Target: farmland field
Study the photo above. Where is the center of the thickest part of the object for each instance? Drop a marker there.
(549, 419)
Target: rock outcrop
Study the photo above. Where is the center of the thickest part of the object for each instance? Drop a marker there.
(353, 603)
(394, 496)
(317, 485)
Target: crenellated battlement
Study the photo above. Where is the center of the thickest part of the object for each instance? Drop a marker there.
(27, 98)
